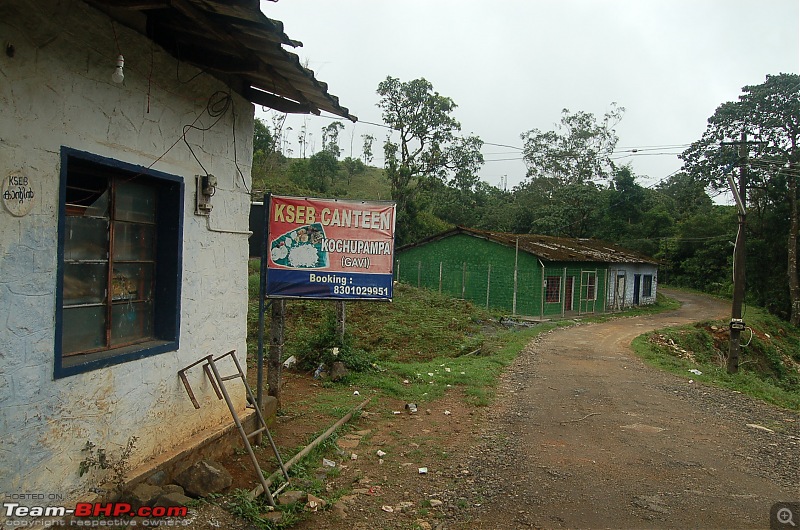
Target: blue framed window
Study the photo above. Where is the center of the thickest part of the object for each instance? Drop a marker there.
(120, 239)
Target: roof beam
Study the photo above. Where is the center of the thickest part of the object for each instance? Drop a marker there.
(259, 97)
(200, 18)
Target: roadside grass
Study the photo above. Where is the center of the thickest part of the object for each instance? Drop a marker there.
(769, 367)
(426, 381)
(306, 475)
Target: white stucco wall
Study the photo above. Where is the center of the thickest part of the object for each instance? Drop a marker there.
(623, 297)
(57, 91)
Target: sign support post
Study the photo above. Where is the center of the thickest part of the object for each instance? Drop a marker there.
(262, 295)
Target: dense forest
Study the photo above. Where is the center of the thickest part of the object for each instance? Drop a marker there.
(574, 187)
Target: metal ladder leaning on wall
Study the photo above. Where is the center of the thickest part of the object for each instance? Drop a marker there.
(217, 381)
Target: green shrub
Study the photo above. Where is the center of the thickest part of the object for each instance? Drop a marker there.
(326, 347)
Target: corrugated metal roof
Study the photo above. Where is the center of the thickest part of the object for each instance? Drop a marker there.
(549, 248)
(234, 41)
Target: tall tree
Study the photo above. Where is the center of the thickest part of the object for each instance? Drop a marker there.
(366, 151)
(322, 169)
(263, 140)
(578, 150)
(330, 138)
(768, 113)
(267, 156)
(302, 139)
(352, 166)
(426, 145)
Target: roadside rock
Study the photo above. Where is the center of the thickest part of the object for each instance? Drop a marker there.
(173, 499)
(291, 497)
(204, 478)
(142, 495)
(338, 371)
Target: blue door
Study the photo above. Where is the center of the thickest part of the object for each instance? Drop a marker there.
(636, 285)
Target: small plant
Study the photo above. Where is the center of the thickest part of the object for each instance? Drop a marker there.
(98, 458)
(324, 346)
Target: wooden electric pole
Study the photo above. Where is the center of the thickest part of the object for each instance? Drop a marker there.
(737, 323)
(274, 363)
(340, 320)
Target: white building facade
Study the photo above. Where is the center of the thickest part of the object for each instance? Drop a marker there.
(632, 284)
(110, 282)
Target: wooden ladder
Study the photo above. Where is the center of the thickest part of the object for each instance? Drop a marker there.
(217, 381)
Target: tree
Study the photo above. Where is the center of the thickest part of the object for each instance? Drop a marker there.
(352, 166)
(267, 156)
(330, 138)
(322, 168)
(302, 139)
(367, 148)
(578, 151)
(687, 194)
(699, 256)
(768, 113)
(427, 146)
(575, 210)
(263, 140)
(298, 173)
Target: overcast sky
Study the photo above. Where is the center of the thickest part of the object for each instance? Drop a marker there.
(513, 65)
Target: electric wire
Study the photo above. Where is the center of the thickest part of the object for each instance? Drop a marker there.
(235, 150)
(218, 104)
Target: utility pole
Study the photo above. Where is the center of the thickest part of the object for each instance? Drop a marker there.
(737, 323)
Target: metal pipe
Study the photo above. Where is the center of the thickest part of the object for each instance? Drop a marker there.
(243, 434)
(299, 456)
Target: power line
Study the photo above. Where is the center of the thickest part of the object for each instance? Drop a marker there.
(504, 145)
(504, 159)
(634, 150)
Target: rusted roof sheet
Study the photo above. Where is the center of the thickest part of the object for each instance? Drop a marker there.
(549, 248)
(235, 41)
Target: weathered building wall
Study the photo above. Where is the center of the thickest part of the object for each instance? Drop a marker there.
(56, 91)
(623, 278)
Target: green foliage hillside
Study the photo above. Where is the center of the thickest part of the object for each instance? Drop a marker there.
(274, 174)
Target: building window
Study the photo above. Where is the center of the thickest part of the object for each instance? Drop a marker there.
(647, 285)
(552, 289)
(120, 238)
(590, 283)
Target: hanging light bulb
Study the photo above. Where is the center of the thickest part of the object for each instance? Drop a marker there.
(118, 74)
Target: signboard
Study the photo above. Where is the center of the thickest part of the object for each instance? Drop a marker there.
(18, 194)
(329, 248)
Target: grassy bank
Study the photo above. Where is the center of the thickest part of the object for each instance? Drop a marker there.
(769, 367)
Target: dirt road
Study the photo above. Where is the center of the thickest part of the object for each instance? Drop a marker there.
(587, 436)
(582, 435)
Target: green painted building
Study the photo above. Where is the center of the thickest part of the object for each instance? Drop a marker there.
(525, 274)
